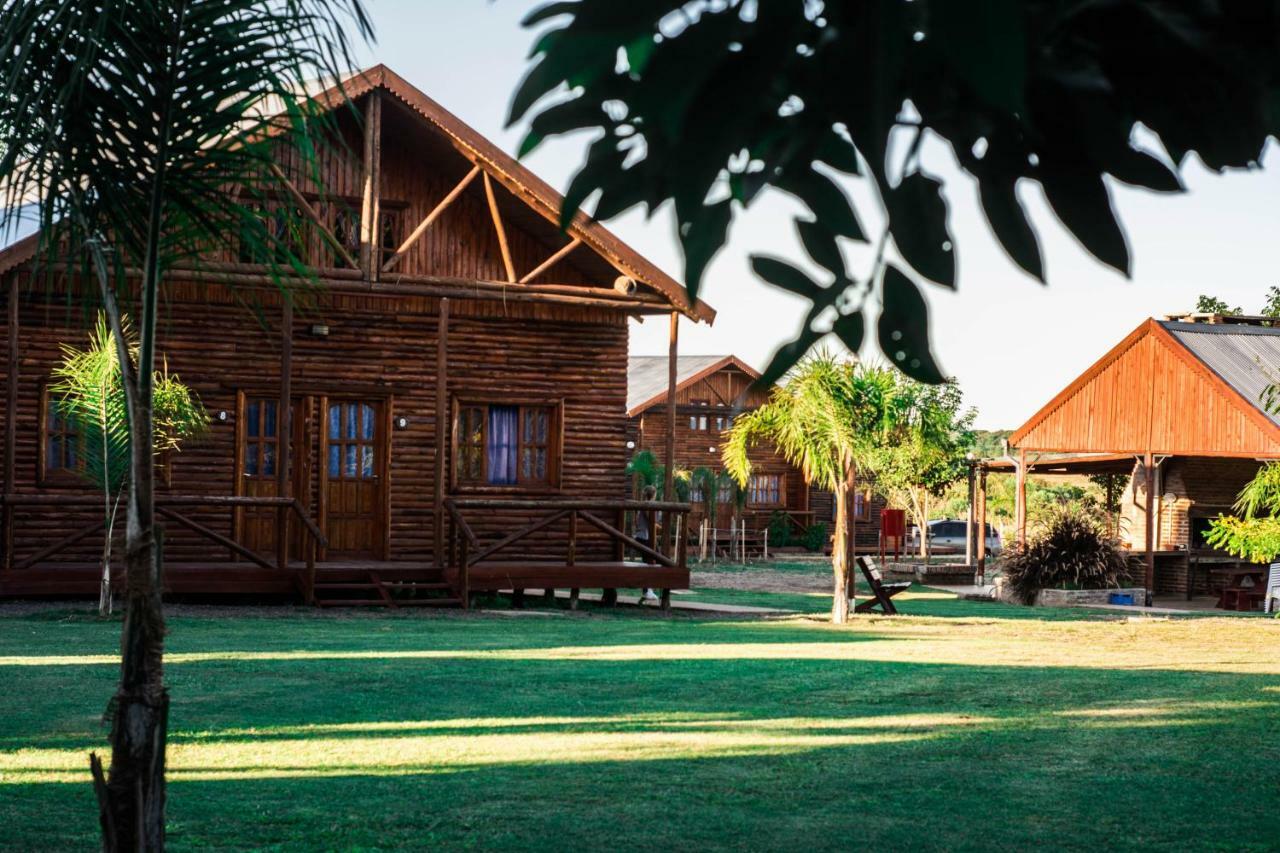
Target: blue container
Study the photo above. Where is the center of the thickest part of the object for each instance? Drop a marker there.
(1120, 598)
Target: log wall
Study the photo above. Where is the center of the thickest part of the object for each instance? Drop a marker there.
(377, 348)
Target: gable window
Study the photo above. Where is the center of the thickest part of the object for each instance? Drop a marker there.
(507, 445)
(388, 236)
(765, 490)
(60, 441)
(699, 422)
(346, 230)
(287, 234)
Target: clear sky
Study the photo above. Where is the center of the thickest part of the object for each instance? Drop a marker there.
(1011, 342)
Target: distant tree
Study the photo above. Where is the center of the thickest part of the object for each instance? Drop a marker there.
(928, 450)
(706, 104)
(1213, 305)
(89, 394)
(1271, 308)
(990, 443)
(829, 419)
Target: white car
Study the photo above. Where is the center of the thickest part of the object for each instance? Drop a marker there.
(946, 536)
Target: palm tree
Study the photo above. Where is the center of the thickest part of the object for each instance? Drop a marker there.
(90, 395)
(828, 418)
(136, 129)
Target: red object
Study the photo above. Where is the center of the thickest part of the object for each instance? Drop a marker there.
(893, 526)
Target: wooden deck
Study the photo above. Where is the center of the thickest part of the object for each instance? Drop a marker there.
(80, 580)
(472, 563)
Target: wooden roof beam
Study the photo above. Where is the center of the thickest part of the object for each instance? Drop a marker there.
(498, 228)
(314, 216)
(431, 217)
(555, 258)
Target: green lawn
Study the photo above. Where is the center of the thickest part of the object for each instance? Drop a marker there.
(963, 726)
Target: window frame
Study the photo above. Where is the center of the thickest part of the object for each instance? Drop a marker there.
(782, 491)
(554, 446)
(58, 477)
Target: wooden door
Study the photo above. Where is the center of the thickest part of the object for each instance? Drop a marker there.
(353, 455)
(258, 459)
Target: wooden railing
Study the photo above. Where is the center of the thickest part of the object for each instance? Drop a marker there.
(465, 549)
(167, 507)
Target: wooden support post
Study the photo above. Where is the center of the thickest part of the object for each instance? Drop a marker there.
(370, 203)
(517, 598)
(284, 430)
(572, 557)
(10, 420)
(1020, 501)
(442, 428)
(850, 505)
(430, 218)
(669, 460)
(573, 598)
(982, 525)
(620, 547)
(507, 263)
(1148, 463)
(666, 601)
(969, 526)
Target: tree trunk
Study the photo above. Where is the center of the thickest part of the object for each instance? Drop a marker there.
(131, 795)
(840, 558)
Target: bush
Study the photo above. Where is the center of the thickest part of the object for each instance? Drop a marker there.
(1073, 552)
(779, 530)
(815, 537)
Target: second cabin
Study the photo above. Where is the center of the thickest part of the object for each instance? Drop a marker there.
(710, 391)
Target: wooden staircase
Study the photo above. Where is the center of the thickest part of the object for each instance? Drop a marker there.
(373, 586)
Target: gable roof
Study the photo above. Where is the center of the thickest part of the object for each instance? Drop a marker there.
(506, 170)
(1245, 357)
(520, 181)
(647, 376)
(1188, 389)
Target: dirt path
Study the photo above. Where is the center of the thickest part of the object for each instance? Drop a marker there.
(763, 580)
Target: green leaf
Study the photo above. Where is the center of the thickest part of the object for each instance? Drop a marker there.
(787, 355)
(918, 219)
(850, 329)
(781, 274)
(549, 11)
(827, 201)
(1010, 224)
(839, 153)
(701, 237)
(821, 245)
(1140, 169)
(1081, 201)
(903, 328)
(986, 46)
(604, 163)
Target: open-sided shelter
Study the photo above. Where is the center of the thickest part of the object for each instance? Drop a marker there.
(1180, 404)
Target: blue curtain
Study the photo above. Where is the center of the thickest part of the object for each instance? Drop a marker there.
(501, 446)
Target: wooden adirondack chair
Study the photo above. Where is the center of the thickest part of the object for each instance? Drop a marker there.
(882, 593)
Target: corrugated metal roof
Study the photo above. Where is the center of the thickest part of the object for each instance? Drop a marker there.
(647, 374)
(1245, 357)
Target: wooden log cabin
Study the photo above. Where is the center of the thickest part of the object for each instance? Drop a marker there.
(1176, 411)
(453, 391)
(710, 390)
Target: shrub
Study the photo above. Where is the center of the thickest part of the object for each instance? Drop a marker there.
(1073, 552)
(779, 530)
(815, 537)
